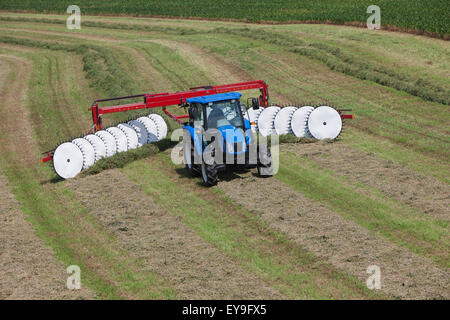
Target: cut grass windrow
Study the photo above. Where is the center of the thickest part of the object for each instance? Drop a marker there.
(337, 60)
(388, 150)
(99, 64)
(77, 239)
(332, 56)
(238, 233)
(368, 208)
(62, 223)
(102, 70)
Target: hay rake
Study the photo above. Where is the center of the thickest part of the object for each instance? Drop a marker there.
(71, 157)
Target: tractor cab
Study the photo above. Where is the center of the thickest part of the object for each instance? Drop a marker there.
(217, 111)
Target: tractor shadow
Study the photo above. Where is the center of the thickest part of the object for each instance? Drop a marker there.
(226, 175)
(55, 179)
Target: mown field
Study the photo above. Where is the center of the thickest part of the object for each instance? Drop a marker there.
(427, 16)
(139, 227)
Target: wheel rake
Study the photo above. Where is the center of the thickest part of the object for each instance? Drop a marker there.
(299, 122)
(87, 150)
(252, 116)
(70, 158)
(266, 120)
(322, 122)
(282, 122)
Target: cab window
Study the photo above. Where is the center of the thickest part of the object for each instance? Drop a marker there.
(223, 113)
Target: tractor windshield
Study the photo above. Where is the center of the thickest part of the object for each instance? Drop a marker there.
(223, 113)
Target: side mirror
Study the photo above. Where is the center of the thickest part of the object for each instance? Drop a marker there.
(191, 114)
(255, 103)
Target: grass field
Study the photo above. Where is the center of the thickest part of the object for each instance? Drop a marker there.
(139, 227)
(426, 16)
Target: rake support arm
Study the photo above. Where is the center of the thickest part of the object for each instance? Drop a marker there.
(176, 98)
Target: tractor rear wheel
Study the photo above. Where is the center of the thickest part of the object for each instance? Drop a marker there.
(265, 163)
(209, 174)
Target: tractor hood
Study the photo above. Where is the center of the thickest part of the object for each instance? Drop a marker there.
(234, 139)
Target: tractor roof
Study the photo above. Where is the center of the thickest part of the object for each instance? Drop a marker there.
(215, 97)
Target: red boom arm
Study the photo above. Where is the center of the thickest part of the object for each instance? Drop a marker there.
(176, 98)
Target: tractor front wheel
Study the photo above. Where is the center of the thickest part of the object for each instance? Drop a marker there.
(191, 167)
(209, 174)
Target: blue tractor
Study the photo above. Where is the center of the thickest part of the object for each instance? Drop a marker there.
(218, 137)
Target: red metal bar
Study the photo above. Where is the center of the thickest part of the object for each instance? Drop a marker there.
(172, 116)
(122, 108)
(177, 98)
(47, 158)
(346, 116)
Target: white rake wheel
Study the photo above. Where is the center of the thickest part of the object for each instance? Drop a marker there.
(98, 144)
(120, 138)
(325, 123)
(266, 120)
(160, 125)
(67, 160)
(109, 141)
(299, 122)
(87, 150)
(282, 121)
(252, 115)
(151, 127)
(141, 132)
(131, 135)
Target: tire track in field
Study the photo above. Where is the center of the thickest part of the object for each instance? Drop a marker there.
(217, 68)
(338, 241)
(28, 269)
(408, 57)
(221, 71)
(425, 193)
(66, 119)
(75, 118)
(143, 67)
(16, 126)
(195, 268)
(156, 81)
